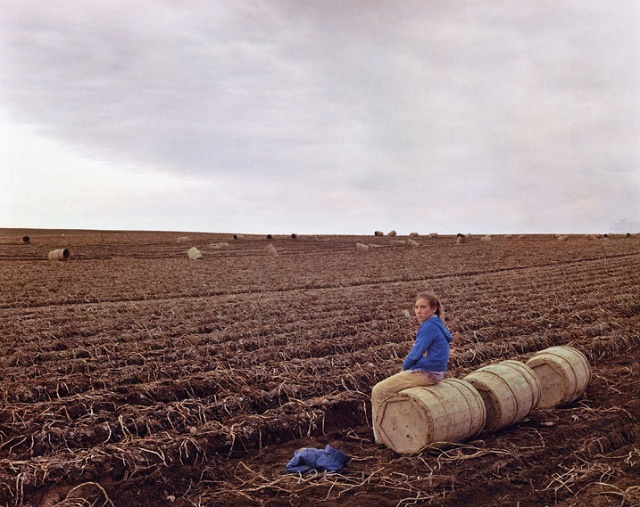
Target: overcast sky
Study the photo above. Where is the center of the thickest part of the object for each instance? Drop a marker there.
(322, 117)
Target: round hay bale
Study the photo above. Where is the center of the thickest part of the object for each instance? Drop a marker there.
(294, 236)
(378, 233)
(238, 237)
(413, 234)
(26, 240)
(564, 374)
(61, 254)
(391, 234)
(450, 411)
(194, 253)
(412, 243)
(460, 239)
(433, 234)
(271, 250)
(362, 247)
(486, 238)
(510, 390)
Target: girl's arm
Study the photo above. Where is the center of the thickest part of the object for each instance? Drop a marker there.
(419, 349)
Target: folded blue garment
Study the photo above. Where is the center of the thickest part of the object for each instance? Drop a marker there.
(327, 459)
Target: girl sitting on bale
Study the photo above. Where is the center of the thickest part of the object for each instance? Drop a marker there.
(426, 362)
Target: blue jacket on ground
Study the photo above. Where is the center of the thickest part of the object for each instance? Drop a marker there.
(307, 459)
(430, 352)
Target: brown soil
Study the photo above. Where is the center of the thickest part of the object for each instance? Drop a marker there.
(131, 375)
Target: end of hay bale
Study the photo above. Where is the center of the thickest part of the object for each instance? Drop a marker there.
(378, 233)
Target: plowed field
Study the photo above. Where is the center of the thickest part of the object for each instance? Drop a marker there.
(131, 375)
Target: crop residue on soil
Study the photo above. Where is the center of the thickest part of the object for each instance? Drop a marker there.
(133, 375)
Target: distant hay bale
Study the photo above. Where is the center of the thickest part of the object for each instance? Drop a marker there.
(218, 246)
(413, 234)
(486, 238)
(412, 243)
(238, 237)
(294, 236)
(460, 239)
(508, 236)
(194, 254)
(361, 247)
(378, 233)
(61, 254)
(522, 236)
(182, 239)
(391, 234)
(269, 236)
(564, 237)
(26, 240)
(433, 234)
(271, 250)
(398, 242)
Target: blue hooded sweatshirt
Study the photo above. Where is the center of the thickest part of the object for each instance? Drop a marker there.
(308, 458)
(430, 352)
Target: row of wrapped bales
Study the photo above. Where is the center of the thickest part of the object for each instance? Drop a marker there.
(489, 399)
(63, 254)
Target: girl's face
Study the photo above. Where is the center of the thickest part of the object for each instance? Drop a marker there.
(423, 310)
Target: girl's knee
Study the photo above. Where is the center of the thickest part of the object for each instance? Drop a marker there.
(379, 390)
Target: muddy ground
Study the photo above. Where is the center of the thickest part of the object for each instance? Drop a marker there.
(131, 375)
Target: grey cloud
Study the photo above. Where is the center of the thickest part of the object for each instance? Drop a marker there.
(380, 99)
